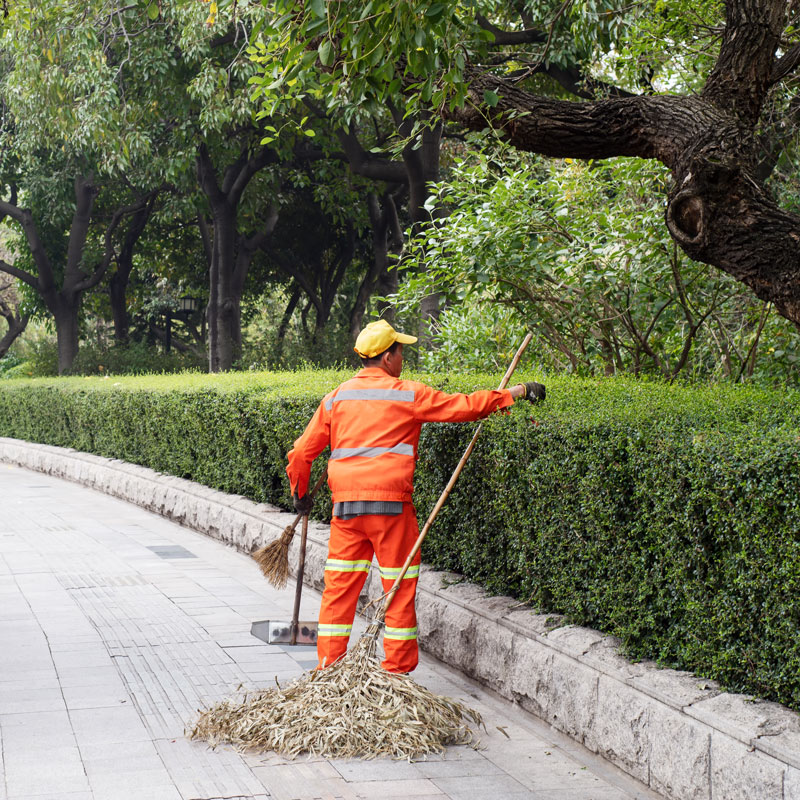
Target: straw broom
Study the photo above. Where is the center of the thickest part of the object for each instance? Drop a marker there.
(273, 558)
(353, 707)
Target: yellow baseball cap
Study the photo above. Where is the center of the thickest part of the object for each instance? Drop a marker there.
(379, 336)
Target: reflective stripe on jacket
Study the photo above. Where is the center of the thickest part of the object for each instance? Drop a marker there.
(372, 423)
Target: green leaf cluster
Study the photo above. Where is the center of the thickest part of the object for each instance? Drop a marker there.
(580, 253)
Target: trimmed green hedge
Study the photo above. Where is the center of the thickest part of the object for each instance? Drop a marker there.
(668, 516)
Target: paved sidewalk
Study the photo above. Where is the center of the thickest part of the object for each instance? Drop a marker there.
(117, 625)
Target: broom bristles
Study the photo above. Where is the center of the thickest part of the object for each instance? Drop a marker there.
(273, 558)
(352, 708)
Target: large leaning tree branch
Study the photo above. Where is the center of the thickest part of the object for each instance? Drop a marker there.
(717, 210)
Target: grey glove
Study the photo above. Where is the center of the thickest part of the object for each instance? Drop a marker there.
(302, 505)
(534, 392)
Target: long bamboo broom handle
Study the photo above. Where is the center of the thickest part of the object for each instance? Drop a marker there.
(447, 489)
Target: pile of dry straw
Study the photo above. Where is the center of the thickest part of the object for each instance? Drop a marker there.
(354, 708)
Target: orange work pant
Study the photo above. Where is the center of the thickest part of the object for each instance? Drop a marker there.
(350, 551)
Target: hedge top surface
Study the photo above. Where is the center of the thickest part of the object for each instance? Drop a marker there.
(595, 400)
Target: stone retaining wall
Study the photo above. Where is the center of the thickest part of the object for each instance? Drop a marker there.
(675, 732)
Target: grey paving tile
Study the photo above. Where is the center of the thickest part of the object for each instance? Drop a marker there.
(58, 796)
(35, 678)
(600, 793)
(383, 769)
(453, 768)
(46, 779)
(25, 658)
(496, 787)
(67, 759)
(88, 659)
(110, 725)
(24, 699)
(102, 696)
(377, 790)
(96, 676)
(300, 781)
(127, 787)
(47, 725)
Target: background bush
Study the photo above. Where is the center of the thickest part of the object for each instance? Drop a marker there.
(665, 515)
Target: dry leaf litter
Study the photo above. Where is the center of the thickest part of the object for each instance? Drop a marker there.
(354, 708)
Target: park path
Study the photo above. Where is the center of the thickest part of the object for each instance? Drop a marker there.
(117, 625)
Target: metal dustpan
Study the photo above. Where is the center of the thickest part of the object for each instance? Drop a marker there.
(277, 632)
(294, 632)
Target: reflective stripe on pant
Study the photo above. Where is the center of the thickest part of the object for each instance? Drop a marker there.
(350, 551)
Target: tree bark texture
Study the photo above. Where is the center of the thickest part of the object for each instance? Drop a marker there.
(118, 282)
(718, 210)
(231, 250)
(64, 301)
(387, 241)
(417, 170)
(16, 325)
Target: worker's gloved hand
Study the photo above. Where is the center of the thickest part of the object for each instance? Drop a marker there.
(302, 505)
(534, 392)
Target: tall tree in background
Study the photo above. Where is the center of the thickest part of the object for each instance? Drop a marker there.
(482, 65)
(83, 145)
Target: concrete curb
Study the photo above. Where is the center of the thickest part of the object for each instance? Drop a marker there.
(674, 732)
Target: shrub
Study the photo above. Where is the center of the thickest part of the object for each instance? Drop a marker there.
(133, 358)
(668, 516)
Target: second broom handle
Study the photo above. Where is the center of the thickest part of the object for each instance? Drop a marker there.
(447, 489)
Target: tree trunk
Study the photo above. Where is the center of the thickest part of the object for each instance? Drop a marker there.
(118, 295)
(16, 325)
(212, 316)
(222, 347)
(67, 331)
(387, 241)
(118, 283)
(230, 252)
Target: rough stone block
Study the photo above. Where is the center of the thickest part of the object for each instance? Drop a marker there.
(251, 534)
(471, 642)
(744, 718)
(440, 579)
(529, 623)
(553, 686)
(605, 657)
(618, 729)
(675, 689)
(492, 608)
(572, 640)
(464, 593)
(232, 526)
(791, 784)
(448, 630)
(740, 773)
(680, 754)
(783, 746)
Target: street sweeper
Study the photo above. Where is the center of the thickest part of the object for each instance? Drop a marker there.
(372, 424)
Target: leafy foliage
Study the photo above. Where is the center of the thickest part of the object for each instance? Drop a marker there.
(578, 251)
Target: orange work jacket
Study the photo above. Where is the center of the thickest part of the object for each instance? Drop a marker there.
(372, 424)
